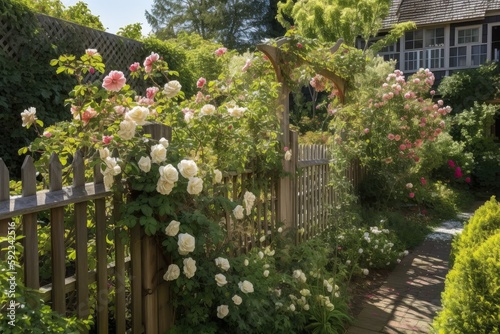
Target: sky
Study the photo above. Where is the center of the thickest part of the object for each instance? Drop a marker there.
(115, 14)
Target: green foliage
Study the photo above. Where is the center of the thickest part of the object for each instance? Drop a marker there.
(472, 129)
(23, 310)
(466, 87)
(334, 19)
(472, 289)
(132, 31)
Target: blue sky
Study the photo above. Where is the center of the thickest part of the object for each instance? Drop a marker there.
(115, 14)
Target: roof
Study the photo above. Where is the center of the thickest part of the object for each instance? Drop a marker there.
(427, 12)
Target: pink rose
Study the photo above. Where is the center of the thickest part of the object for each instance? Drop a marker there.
(467, 179)
(411, 195)
(151, 92)
(114, 81)
(423, 181)
(458, 172)
(432, 92)
(134, 67)
(402, 147)
(88, 114)
(201, 82)
(451, 163)
(148, 62)
(47, 134)
(91, 70)
(390, 136)
(397, 137)
(220, 51)
(107, 139)
(367, 130)
(299, 45)
(91, 52)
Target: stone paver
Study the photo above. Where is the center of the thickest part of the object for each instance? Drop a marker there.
(411, 296)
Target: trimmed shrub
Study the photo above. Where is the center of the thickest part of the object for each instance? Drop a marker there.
(471, 300)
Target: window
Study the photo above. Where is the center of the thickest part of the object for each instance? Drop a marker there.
(478, 54)
(458, 56)
(434, 37)
(468, 35)
(414, 60)
(390, 53)
(435, 58)
(414, 39)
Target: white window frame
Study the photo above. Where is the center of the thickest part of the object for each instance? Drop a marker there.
(423, 54)
(469, 45)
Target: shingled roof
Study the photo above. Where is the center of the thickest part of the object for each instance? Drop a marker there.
(426, 12)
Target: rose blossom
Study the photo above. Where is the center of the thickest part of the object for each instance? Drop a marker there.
(451, 163)
(458, 172)
(222, 263)
(172, 88)
(238, 212)
(288, 155)
(423, 181)
(134, 67)
(201, 82)
(220, 279)
(411, 195)
(217, 176)
(409, 185)
(138, 115)
(127, 129)
(265, 273)
(47, 134)
(114, 81)
(467, 179)
(187, 168)
(237, 300)
(207, 109)
(148, 62)
(189, 267)
(107, 139)
(88, 114)
(151, 92)
(195, 185)
(29, 116)
(365, 271)
(91, 52)
(249, 200)
(186, 243)
(245, 286)
(163, 142)
(172, 273)
(104, 153)
(144, 164)
(236, 111)
(164, 187)
(158, 153)
(188, 116)
(222, 311)
(220, 51)
(168, 173)
(173, 228)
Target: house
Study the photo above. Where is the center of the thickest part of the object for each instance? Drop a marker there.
(451, 34)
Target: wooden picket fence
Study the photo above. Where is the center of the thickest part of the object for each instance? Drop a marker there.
(133, 268)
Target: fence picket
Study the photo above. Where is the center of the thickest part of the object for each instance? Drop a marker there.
(4, 196)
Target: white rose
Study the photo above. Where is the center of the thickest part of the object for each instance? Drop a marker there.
(172, 88)
(164, 187)
(28, 116)
(195, 186)
(303, 278)
(189, 267)
(245, 286)
(187, 168)
(127, 129)
(145, 164)
(164, 142)
(172, 273)
(261, 255)
(296, 273)
(173, 228)
(305, 292)
(246, 263)
(112, 166)
(288, 155)
(217, 176)
(238, 212)
(237, 300)
(249, 200)
(306, 307)
(291, 307)
(222, 311)
(222, 263)
(108, 181)
(104, 153)
(236, 111)
(265, 273)
(207, 109)
(220, 279)
(158, 153)
(138, 115)
(169, 173)
(186, 243)
(188, 116)
(365, 271)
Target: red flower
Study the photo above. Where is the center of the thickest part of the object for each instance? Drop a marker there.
(451, 163)
(458, 172)
(467, 179)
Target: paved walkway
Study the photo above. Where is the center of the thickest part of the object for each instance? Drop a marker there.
(409, 299)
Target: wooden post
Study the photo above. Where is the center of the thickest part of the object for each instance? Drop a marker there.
(4, 196)
(157, 311)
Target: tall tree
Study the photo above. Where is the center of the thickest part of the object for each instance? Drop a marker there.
(235, 23)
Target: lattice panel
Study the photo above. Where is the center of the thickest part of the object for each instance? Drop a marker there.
(117, 52)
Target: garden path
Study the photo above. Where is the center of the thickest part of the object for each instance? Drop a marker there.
(411, 295)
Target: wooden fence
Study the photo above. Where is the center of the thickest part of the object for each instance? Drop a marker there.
(138, 261)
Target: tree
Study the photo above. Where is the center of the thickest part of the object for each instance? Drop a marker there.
(235, 23)
(132, 31)
(330, 20)
(79, 13)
